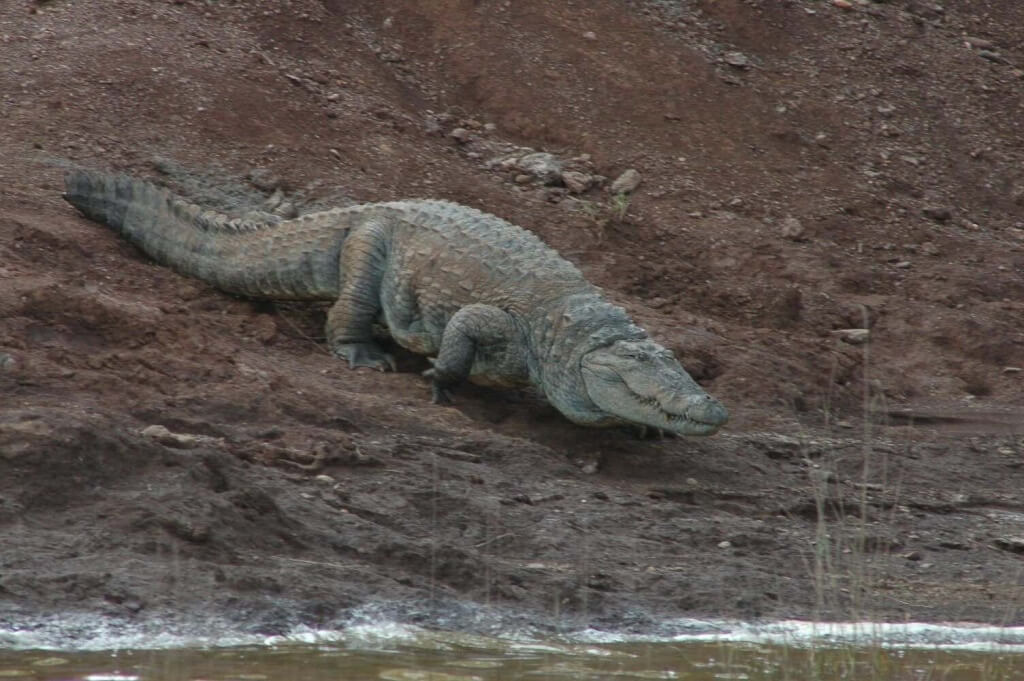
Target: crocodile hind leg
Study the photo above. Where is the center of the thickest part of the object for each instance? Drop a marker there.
(482, 335)
(350, 320)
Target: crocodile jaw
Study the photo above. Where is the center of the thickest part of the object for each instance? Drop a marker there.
(641, 382)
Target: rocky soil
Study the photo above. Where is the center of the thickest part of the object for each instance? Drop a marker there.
(819, 205)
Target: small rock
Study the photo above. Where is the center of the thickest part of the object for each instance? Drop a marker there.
(333, 97)
(590, 35)
(737, 59)
(912, 555)
(6, 362)
(461, 135)
(725, 544)
(490, 127)
(903, 264)
(929, 248)
(843, 4)
(523, 179)
(626, 182)
(992, 56)
(1011, 544)
(853, 336)
(577, 182)
(792, 229)
(979, 43)
(938, 213)
(325, 479)
(1006, 370)
(542, 165)
(166, 437)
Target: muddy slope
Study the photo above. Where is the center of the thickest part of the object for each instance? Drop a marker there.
(809, 172)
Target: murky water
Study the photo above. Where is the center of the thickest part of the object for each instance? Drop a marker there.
(414, 655)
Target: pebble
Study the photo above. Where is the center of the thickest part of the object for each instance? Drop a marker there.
(461, 135)
(913, 555)
(929, 248)
(792, 229)
(627, 182)
(737, 59)
(992, 56)
(903, 264)
(6, 362)
(843, 4)
(325, 479)
(166, 437)
(1011, 544)
(1012, 370)
(590, 35)
(725, 544)
(937, 213)
(523, 178)
(853, 336)
(542, 165)
(577, 182)
(980, 43)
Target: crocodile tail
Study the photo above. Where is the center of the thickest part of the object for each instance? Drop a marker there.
(169, 229)
(103, 197)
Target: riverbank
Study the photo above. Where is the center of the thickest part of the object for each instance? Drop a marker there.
(832, 254)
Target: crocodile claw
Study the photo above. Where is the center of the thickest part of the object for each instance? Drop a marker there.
(366, 355)
(441, 395)
(653, 433)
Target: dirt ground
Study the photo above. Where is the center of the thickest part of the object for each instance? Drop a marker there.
(808, 169)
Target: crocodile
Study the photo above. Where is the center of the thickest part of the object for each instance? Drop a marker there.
(486, 299)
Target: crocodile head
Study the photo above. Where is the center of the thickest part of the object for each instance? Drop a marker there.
(638, 381)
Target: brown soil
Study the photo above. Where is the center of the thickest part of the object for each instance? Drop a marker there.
(879, 480)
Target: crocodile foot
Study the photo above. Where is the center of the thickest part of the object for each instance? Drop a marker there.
(439, 394)
(365, 355)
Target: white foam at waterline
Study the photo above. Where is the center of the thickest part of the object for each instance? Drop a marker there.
(799, 633)
(83, 633)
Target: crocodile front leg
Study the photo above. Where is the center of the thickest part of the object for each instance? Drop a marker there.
(482, 340)
(350, 320)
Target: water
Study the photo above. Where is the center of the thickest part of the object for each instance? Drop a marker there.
(714, 652)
